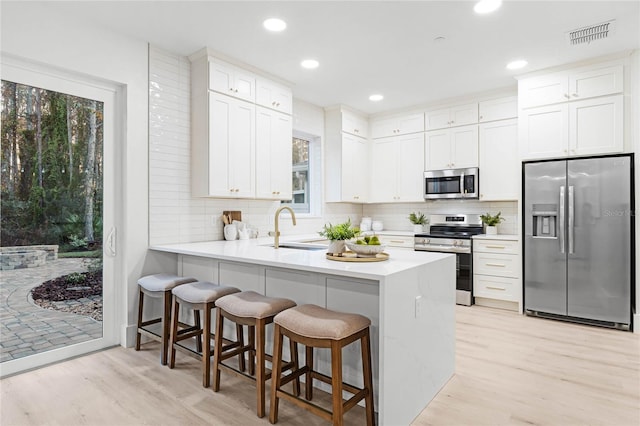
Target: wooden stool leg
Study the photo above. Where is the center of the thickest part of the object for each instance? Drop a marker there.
(174, 332)
(197, 323)
(260, 329)
(217, 352)
(206, 350)
(336, 383)
(240, 339)
(276, 373)
(140, 305)
(308, 386)
(365, 346)
(166, 322)
(293, 348)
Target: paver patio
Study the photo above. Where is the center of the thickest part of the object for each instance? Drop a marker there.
(27, 329)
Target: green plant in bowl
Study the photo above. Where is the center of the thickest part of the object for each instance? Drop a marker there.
(342, 231)
(491, 220)
(418, 218)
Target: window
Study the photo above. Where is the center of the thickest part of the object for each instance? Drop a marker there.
(305, 167)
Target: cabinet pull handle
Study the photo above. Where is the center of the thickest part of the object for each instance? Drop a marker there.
(396, 241)
(494, 246)
(490, 287)
(498, 265)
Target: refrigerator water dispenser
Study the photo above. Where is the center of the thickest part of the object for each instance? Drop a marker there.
(545, 220)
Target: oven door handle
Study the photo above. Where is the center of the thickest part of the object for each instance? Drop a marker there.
(443, 249)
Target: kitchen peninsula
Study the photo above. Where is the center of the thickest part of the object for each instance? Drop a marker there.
(409, 298)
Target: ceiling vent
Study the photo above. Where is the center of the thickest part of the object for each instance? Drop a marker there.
(591, 33)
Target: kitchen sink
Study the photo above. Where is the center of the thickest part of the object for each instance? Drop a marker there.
(302, 245)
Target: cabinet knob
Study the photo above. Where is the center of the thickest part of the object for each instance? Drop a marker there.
(231, 89)
(278, 104)
(273, 103)
(481, 195)
(566, 95)
(564, 150)
(481, 117)
(236, 90)
(575, 95)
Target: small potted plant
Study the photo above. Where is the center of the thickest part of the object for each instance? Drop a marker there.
(491, 222)
(419, 220)
(337, 234)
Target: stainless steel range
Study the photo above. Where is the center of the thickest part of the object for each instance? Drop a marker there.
(451, 233)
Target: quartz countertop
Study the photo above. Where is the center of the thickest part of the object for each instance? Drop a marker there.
(506, 237)
(258, 251)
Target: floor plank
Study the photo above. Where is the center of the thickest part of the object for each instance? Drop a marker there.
(510, 370)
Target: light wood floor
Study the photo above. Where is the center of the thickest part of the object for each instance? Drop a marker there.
(510, 370)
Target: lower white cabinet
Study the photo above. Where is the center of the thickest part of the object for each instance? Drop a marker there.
(243, 276)
(273, 155)
(399, 241)
(496, 272)
(498, 160)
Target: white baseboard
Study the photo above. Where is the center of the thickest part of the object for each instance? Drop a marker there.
(636, 323)
(128, 337)
(499, 304)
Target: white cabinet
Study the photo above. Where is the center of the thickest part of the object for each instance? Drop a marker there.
(355, 124)
(231, 80)
(303, 287)
(496, 271)
(274, 96)
(452, 148)
(576, 84)
(273, 155)
(587, 127)
(223, 148)
(460, 115)
(244, 276)
(498, 109)
(347, 168)
(498, 160)
(399, 125)
(397, 167)
(398, 241)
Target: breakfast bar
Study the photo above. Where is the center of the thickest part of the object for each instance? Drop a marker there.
(409, 298)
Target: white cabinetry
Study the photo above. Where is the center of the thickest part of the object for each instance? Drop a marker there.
(498, 160)
(572, 113)
(496, 272)
(498, 109)
(452, 148)
(347, 167)
(398, 241)
(231, 80)
(460, 115)
(273, 155)
(223, 149)
(400, 125)
(355, 124)
(397, 167)
(274, 96)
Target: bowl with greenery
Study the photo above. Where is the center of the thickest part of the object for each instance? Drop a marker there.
(491, 222)
(419, 220)
(337, 235)
(367, 246)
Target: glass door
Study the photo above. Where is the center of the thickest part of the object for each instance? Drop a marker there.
(58, 216)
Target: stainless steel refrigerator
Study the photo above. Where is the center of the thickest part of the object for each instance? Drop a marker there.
(578, 239)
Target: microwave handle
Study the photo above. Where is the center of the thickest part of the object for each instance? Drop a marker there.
(462, 183)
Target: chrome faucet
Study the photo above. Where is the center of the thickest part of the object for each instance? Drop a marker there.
(276, 233)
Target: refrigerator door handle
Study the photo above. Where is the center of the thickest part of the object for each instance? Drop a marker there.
(561, 220)
(571, 220)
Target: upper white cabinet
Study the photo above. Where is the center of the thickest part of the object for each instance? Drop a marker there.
(397, 167)
(452, 148)
(347, 168)
(355, 124)
(576, 84)
(231, 80)
(399, 125)
(460, 115)
(498, 160)
(273, 154)
(274, 96)
(498, 109)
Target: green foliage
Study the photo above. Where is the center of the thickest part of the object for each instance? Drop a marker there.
(491, 220)
(77, 242)
(342, 231)
(418, 218)
(75, 278)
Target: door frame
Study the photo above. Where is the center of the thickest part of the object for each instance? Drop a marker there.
(113, 96)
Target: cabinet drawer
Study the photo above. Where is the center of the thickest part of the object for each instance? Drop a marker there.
(501, 265)
(496, 287)
(496, 246)
(396, 241)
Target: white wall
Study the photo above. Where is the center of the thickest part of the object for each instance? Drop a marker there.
(36, 32)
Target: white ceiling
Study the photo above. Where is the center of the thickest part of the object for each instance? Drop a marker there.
(373, 47)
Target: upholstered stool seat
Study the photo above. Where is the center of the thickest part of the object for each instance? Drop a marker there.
(157, 286)
(255, 311)
(199, 296)
(317, 327)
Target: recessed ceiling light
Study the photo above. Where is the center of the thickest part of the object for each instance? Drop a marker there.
(439, 39)
(309, 64)
(376, 97)
(516, 65)
(274, 24)
(487, 6)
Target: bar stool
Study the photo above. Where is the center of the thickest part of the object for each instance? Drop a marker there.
(254, 311)
(158, 286)
(198, 296)
(317, 327)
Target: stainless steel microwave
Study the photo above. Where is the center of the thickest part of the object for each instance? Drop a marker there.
(451, 183)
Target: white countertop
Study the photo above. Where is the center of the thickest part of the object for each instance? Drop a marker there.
(257, 251)
(506, 237)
